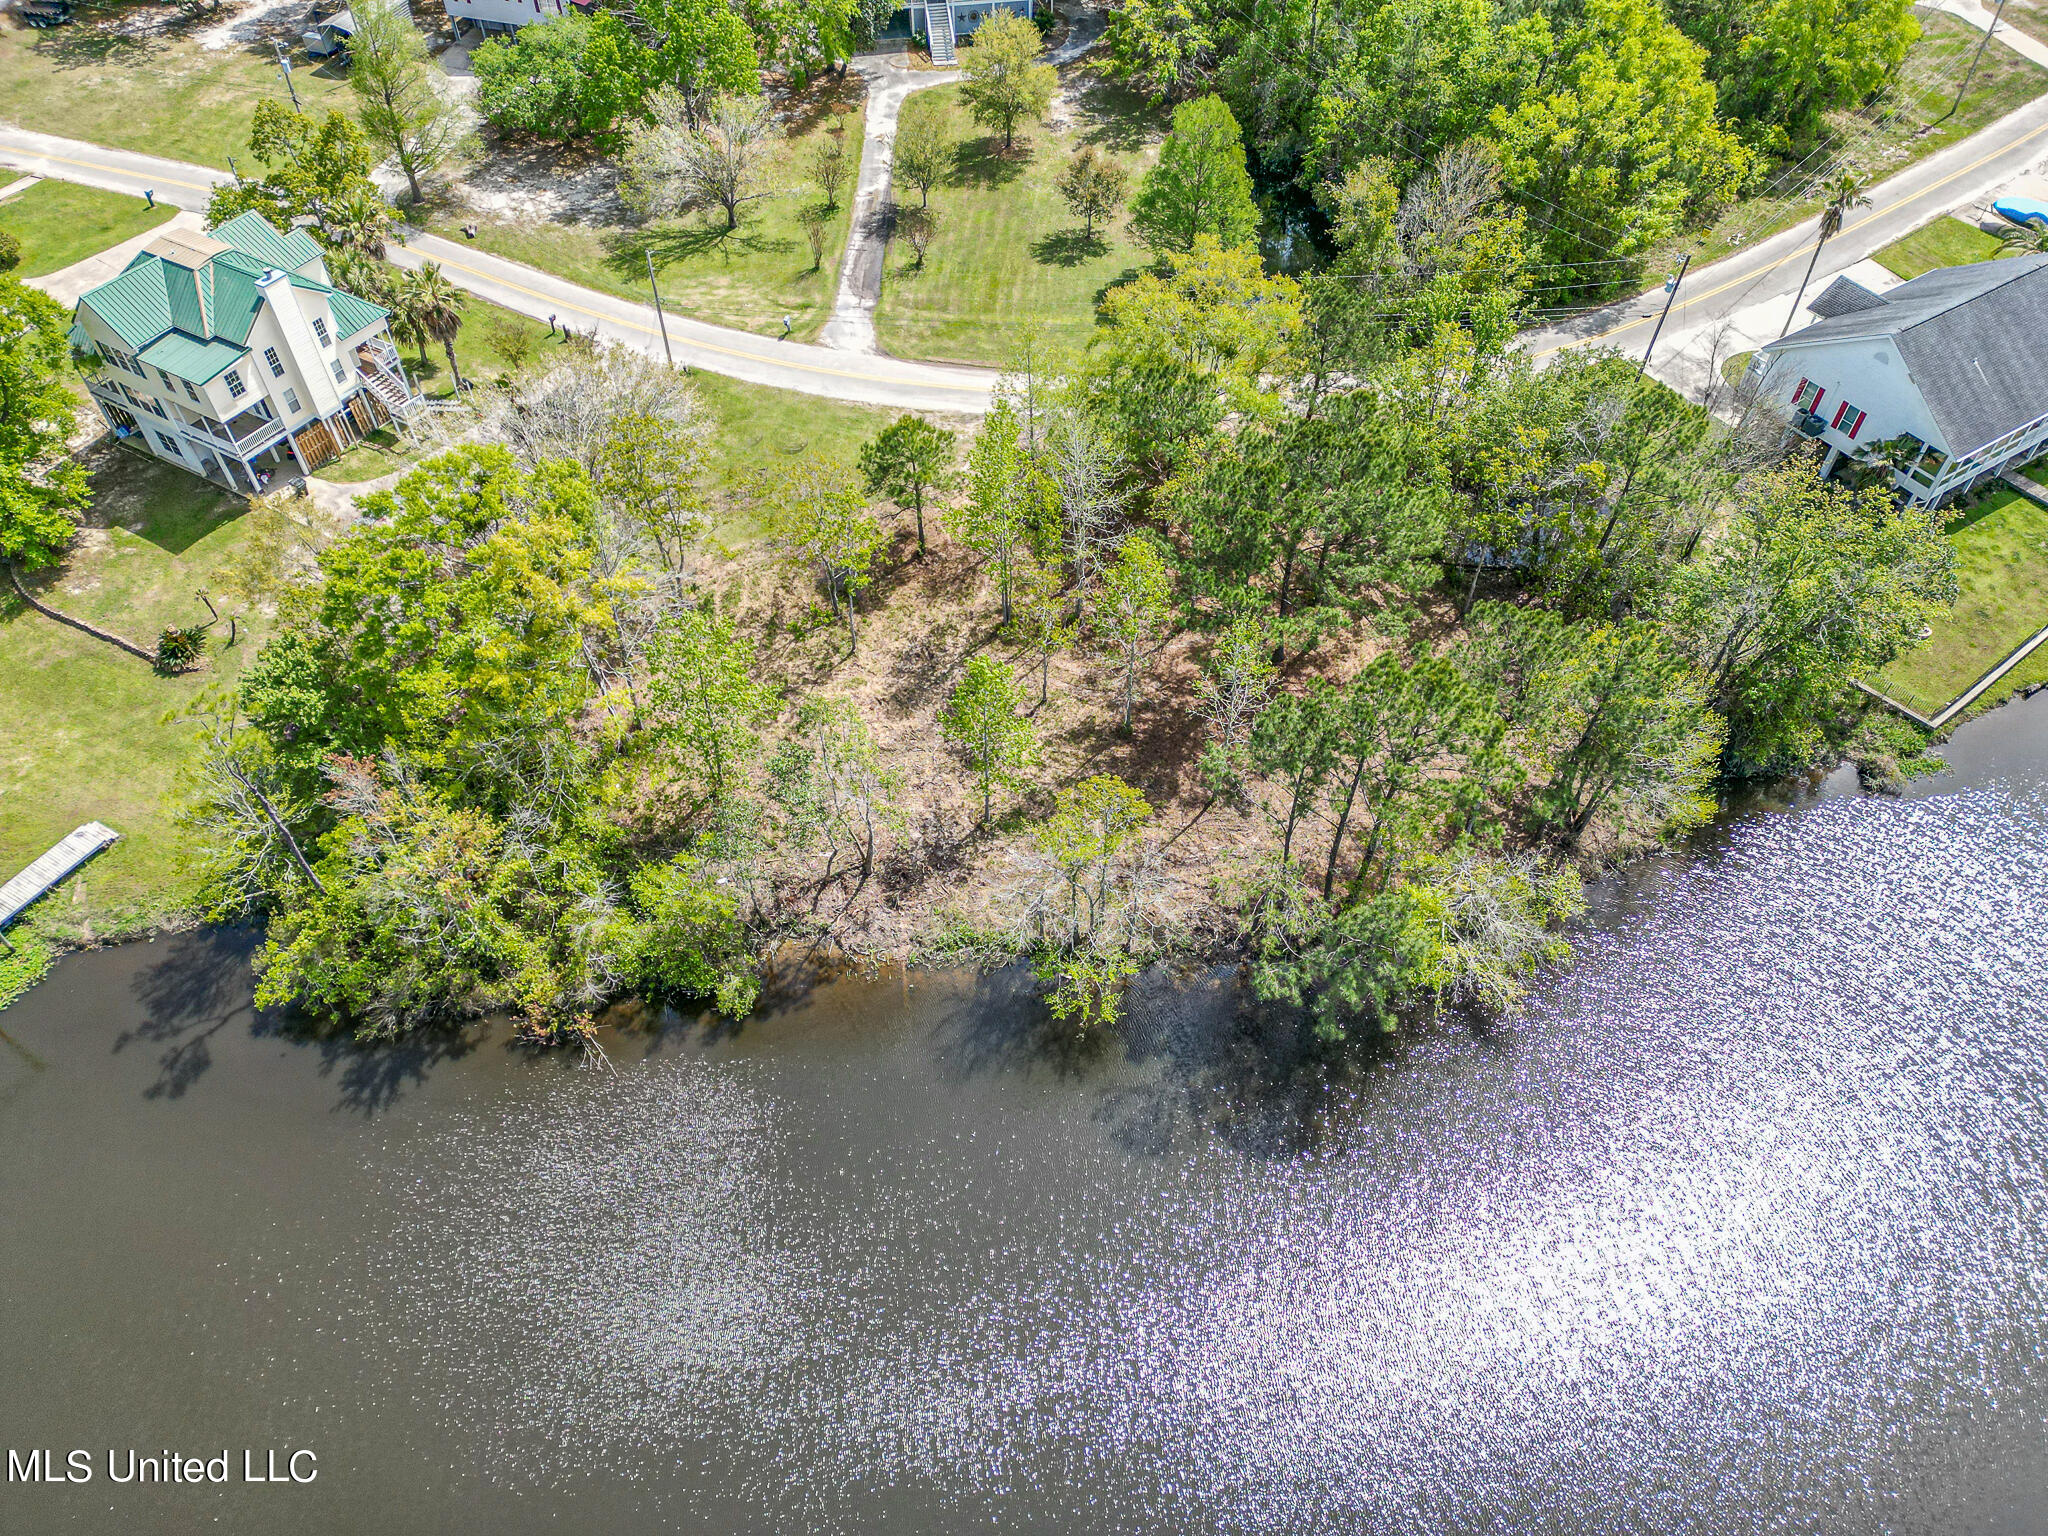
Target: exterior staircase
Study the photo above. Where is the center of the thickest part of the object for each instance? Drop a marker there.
(938, 20)
(384, 374)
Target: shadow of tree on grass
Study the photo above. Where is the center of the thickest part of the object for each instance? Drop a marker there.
(628, 251)
(1068, 247)
(982, 163)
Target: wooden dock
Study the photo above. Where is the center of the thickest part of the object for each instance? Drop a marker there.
(18, 894)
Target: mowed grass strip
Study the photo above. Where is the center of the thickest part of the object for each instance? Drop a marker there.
(1944, 243)
(58, 223)
(747, 278)
(1008, 254)
(2002, 569)
(136, 77)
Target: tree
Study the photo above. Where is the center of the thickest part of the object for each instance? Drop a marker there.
(648, 470)
(919, 226)
(924, 146)
(1345, 966)
(1041, 619)
(1781, 66)
(570, 411)
(1241, 681)
(1166, 48)
(984, 721)
(10, 251)
(1805, 586)
(830, 165)
(1200, 185)
(907, 461)
(1004, 514)
(723, 163)
(700, 48)
(311, 170)
(816, 221)
(709, 701)
(400, 100)
(1093, 186)
(432, 307)
(1005, 82)
(563, 77)
(823, 524)
(1088, 471)
(1093, 825)
(1137, 600)
(1839, 193)
(691, 943)
(831, 782)
(1212, 310)
(1482, 925)
(41, 490)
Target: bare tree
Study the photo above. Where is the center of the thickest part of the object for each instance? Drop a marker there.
(724, 163)
(830, 166)
(1088, 469)
(918, 226)
(816, 219)
(1447, 204)
(570, 411)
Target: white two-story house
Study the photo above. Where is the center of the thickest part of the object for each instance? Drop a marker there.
(1951, 362)
(231, 354)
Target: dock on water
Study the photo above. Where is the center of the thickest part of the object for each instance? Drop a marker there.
(20, 893)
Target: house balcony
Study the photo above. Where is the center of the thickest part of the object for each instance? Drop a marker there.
(251, 432)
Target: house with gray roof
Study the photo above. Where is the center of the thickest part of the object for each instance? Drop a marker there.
(232, 355)
(1952, 363)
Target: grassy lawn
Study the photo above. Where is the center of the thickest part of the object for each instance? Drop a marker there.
(1894, 133)
(747, 278)
(2002, 565)
(58, 223)
(1008, 253)
(489, 332)
(759, 429)
(82, 735)
(134, 77)
(1944, 243)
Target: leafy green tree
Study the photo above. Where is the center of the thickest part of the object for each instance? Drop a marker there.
(709, 701)
(1166, 48)
(41, 490)
(1085, 988)
(1005, 81)
(1136, 606)
(1006, 512)
(1345, 967)
(1485, 924)
(10, 251)
(984, 721)
(924, 146)
(805, 36)
(1781, 65)
(1199, 186)
(1094, 824)
(908, 461)
(831, 782)
(691, 942)
(565, 77)
(824, 525)
(1212, 311)
(1805, 586)
(649, 471)
(404, 113)
(455, 612)
(1093, 186)
(699, 48)
(1294, 741)
(311, 170)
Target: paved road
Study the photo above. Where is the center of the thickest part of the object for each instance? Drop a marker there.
(811, 370)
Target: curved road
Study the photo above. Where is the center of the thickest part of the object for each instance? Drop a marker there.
(811, 370)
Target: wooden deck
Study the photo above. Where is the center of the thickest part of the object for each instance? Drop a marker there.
(18, 894)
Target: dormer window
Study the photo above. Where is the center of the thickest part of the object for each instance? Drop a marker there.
(320, 331)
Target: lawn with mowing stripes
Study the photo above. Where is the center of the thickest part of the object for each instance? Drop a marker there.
(58, 223)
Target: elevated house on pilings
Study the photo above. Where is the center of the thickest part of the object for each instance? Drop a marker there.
(1948, 372)
(231, 354)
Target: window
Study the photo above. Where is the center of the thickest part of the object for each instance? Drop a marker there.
(169, 383)
(236, 388)
(191, 393)
(1848, 420)
(340, 375)
(170, 444)
(291, 402)
(320, 331)
(276, 367)
(1807, 396)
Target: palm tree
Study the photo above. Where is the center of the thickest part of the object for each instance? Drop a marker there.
(433, 308)
(361, 222)
(2022, 239)
(1839, 193)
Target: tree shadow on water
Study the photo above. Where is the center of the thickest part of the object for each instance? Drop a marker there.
(189, 995)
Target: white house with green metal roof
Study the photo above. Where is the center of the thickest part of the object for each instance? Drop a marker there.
(231, 354)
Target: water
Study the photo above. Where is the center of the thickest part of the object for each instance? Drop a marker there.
(1743, 1227)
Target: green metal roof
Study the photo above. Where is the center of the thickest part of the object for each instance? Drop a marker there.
(184, 358)
(252, 234)
(133, 306)
(352, 314)
(236, 298)
(182, 291)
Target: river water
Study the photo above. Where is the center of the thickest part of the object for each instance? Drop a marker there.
(1743, 1226)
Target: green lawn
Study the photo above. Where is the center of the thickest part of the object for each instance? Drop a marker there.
(2002, 565)
(132, 77)
(1897, 131)
(58, 223)
(1944, 243)
(1008, 253)
(747, 278)
(759, 428)
(82, 734)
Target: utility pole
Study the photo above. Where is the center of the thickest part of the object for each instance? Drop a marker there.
(284, 67)
(1670, 293)
(1970, 73)
(658, 315)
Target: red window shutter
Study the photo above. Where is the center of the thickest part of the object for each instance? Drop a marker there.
(1856, 426)
(1840, 411)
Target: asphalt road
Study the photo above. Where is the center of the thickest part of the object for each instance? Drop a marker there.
(808, 369)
